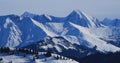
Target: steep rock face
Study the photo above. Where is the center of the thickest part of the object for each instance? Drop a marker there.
(10, 33)
(31, 32)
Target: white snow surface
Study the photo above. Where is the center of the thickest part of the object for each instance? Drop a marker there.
(94, 41)
(28, 59)
(44, 28)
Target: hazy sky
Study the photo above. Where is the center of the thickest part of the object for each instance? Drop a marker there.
(95, 8)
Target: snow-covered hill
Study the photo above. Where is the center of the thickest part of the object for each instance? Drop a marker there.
(76, 30)
(29, 59)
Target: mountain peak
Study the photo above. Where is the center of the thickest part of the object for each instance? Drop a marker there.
(76, 12)
(28, 14)
(82, 19)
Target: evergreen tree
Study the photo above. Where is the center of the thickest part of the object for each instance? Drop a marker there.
(1, 59)
(48, 54)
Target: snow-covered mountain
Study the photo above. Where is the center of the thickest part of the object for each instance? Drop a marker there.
(112, 23)
(60, 45)
(82, 19)
(76, 30)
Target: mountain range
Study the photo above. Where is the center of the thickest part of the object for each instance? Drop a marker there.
(77, 32)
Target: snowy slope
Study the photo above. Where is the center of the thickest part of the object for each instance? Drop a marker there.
(62, 46)
(28, 59)
(83, 35)
(94, 41)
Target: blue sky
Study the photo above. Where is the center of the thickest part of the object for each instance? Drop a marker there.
(95, 8)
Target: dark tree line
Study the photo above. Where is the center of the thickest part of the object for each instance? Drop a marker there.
(23, 50)
(27, 51)
(49, 54)
(1, 59)
(30, 51)
(102, 58)
(4, 49)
